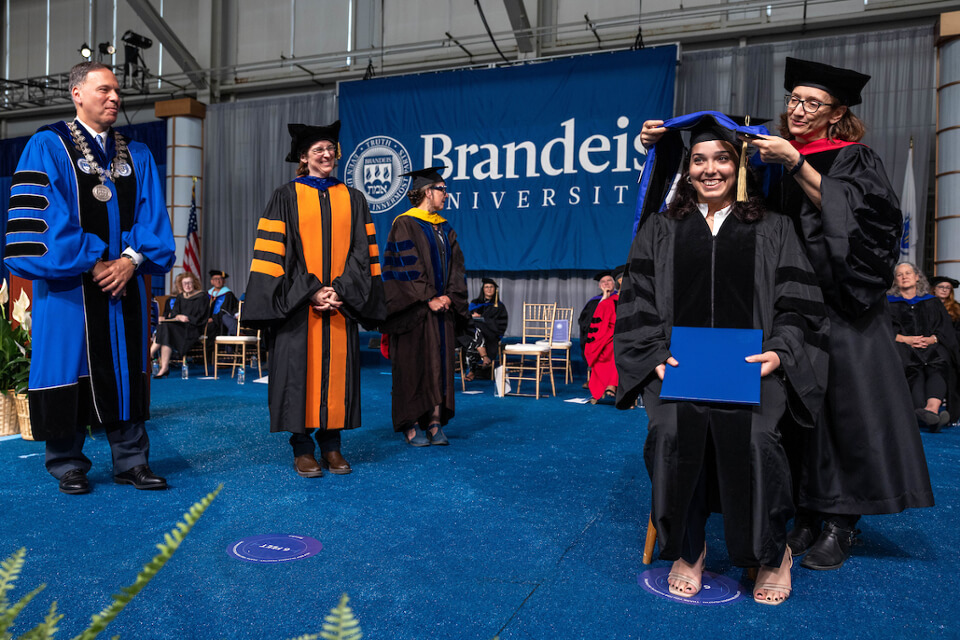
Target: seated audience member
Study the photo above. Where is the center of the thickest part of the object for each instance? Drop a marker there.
(224, 306)
(926, 342)
(598, 346)
(943, 288)
(489, 322)
(182, 325)
(607, 286)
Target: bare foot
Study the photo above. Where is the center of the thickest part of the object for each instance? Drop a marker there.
(774, 584)
(685, 578)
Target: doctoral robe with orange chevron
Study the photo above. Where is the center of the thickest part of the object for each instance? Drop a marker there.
(308, 238)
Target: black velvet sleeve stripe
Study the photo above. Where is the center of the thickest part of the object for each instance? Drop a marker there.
(818, 340)
(271, 235)
(26, 250)
(802, 306)
(636, 320)
(794, 274)
(28, 201)
(32, 178)
(642, 267)
(644, 294)
(267, 256)
(26, 225)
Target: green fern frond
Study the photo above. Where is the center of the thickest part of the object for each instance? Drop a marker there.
(47, 629)
(171, 542)
(9, 572)
(340, 624)
(10, 614)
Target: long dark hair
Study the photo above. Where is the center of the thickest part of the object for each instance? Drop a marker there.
(685, 199)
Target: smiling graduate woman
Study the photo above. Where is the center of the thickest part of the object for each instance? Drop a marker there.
(709, 260)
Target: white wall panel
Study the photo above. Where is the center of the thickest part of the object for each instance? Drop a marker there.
(263, 32)
(321, 27)
(28, 39)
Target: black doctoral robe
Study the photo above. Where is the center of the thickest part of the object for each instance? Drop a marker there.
(492, 322)
(866, 456)
(926, 316)
(422, 260)
(750, 276)
(308, 238)
(181, 336)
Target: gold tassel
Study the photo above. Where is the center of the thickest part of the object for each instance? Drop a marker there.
(742, 173)
(338, 151)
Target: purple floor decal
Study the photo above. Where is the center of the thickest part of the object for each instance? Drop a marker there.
(274, 547)
(717, 589)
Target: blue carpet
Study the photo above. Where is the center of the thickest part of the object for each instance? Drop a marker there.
(530, 524)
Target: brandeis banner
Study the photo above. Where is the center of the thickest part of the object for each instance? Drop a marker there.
(541, 159)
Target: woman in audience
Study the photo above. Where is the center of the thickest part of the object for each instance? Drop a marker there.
(943, 287)
(711, 261)
(182, 323)
(925, 341)
(489, 324)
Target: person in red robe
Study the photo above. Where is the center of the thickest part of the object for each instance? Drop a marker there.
(598, 348)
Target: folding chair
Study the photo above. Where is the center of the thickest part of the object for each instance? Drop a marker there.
(516, 358)
(240, 343)
(560, 342)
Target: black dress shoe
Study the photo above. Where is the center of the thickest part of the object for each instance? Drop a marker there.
(802, 536)
(74, 482)
(831, 549)
(141, 478)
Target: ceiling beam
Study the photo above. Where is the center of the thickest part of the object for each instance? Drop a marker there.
(159, 27)
(520, 24)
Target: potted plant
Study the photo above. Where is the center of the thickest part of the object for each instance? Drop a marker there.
(14, 360)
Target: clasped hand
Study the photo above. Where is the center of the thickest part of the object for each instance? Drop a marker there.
(112, 276)
(438, 304)
(326, 299)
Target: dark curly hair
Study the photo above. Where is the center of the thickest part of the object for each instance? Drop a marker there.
(685, 199)
(416, 196)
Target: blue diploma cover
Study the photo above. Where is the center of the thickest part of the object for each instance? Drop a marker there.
(712, 366)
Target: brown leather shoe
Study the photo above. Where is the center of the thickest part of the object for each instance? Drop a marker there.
(307, 466)
(334, 463)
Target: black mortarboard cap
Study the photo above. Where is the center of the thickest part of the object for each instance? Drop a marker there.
(424, 177)
(490, 281)
(935, 280)
(843, 84)
(303, 136)
(217, 272)
(600, 275)
(618, 272)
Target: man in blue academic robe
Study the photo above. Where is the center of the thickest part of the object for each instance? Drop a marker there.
(86, 223)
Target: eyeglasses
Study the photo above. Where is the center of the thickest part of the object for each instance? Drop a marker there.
(318, 151)
(810, 106)
(946, 287)
(438, 188)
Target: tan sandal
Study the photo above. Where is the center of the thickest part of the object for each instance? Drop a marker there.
(696, 583)
(764, 583)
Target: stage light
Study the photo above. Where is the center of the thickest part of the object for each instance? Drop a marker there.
(137, 40)
(107, 49)
(85, 51)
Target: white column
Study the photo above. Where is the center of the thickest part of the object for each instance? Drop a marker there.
(184, 169)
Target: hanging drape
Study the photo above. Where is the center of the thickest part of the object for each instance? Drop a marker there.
(245, 145)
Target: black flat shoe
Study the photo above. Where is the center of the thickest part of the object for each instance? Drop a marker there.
(802, 537)
(141, 478)
(74, 482)
(831, 549)
(161, 375)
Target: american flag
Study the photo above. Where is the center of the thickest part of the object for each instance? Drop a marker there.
(191, 252)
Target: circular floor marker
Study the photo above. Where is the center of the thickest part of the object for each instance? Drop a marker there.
(717, 589)
(274, 547)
